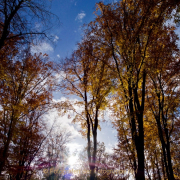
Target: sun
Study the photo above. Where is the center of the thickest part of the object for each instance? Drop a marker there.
(72, 160)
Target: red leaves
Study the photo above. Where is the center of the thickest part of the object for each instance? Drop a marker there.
(26, 94)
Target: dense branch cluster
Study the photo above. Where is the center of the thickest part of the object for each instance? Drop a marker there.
(128, 64)
(126, 69)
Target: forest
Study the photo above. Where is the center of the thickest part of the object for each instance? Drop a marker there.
(125, 70)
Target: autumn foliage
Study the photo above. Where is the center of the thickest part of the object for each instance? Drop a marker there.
(26, 94)
(126, 68)
(139, 52)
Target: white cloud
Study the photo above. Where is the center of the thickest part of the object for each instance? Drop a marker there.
(56, 38)
(80, 16)
(63, 121)
(74, 148)
(58, 78)
(58, 55)
(110, 147)
(43, 47)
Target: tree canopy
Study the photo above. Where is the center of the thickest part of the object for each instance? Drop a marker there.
(126, 66)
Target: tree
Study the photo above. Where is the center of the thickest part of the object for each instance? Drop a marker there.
(163, 92)
(52, 160)
(24, 89)
(107, 165)
(27, 144)
(87, 77)
(19, 17)
(83, 159)
(128, 30)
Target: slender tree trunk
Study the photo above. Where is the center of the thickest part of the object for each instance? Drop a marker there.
(133, 125)
(171, 174)
(21, 166)
(157, 166)
(92, 177)
(162, 165)
(147, 169)
(162, 144)
(6, 145)
(165, 145)
(88, 134)
(170, 167)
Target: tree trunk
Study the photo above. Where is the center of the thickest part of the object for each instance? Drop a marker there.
(140, 150)
(6, 145)
(165, 145)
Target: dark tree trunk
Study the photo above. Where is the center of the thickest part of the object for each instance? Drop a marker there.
(6, 145)
(140, 150)
(8, 20)
(165, 143)
(136, 112)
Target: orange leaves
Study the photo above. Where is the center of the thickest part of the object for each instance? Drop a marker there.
(141, 51)
(26, 81)
(87, 77)
(26, 94)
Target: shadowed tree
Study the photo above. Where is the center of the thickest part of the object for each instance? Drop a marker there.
(24, 89)
(86, 76)
(25, 19)
(128, 29)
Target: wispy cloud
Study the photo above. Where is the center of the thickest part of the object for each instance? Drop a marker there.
(80, 16)
(56, 38)
(63, 121)
(58, 55)
(43, 47)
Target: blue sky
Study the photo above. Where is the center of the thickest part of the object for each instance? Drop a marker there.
(72, 15)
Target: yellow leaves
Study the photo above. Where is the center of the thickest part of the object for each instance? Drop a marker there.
(99, 6)
(26, 86)
(87, 77)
